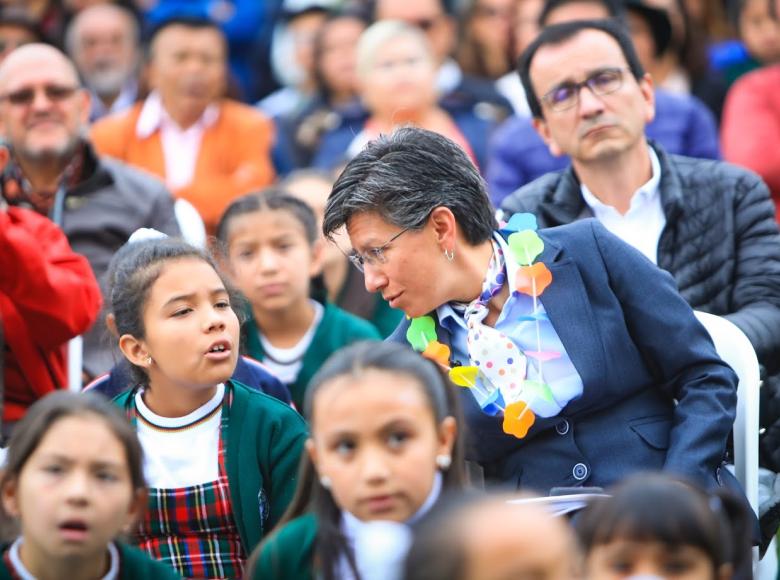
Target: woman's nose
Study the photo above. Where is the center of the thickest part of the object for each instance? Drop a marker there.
(374, 278)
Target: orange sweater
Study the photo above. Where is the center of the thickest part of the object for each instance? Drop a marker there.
(234, 156)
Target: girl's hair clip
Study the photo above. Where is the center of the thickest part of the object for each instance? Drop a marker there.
(142, 234)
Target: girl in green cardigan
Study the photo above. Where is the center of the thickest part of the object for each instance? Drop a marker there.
(272, 250)
(73, 481)
(383, 446)
(220, 459)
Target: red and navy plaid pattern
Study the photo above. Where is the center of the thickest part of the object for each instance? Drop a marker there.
(192, 528)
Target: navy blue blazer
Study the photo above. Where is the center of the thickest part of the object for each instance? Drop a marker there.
(656, 395)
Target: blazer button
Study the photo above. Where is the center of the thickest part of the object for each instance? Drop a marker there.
(562, 427)
(580, 471)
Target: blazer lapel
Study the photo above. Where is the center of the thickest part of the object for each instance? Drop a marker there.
(565, 301)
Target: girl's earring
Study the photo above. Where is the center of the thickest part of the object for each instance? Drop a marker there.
(450, 255)
(326, 482)
(149, 360)
(443, 462)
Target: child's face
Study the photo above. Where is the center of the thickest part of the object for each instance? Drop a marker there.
(74, 493)
(375, 437)
(191, 330)
(625, 558)
(270, 259)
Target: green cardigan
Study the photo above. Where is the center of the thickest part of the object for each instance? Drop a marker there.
(288, 552)
(265, 440)
(133, 564)
(336, 330)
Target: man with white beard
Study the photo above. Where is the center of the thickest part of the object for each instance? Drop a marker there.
(103, 42)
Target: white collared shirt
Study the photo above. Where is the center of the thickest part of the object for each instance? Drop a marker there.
(180, 146)
(642, 224)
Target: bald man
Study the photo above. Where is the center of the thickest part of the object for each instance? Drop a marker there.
(104, 43)
(493, 539)
(54, 170)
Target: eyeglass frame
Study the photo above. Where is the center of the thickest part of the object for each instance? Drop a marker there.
(586, 83)
(54, 93)
(360, 260)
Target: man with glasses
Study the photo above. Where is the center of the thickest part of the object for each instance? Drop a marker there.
(710, 224)
(682, 123)
(98, 202)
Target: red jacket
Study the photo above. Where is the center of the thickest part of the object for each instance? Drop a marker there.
(48, 295)
(750, 129)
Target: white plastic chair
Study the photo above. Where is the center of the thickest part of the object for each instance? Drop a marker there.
(75, 359)
(735, 349)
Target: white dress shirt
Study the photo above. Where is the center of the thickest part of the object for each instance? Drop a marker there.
(642, 224)
(180, 146)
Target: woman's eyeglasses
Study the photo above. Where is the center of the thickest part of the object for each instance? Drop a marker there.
(374, 256)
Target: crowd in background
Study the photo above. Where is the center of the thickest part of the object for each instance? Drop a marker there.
(157, 154)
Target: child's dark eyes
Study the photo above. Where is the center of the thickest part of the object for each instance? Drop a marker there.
(181, 312)
(106, 476)
(344, 447)
(397, 439)
(53, 469)
(222, 304)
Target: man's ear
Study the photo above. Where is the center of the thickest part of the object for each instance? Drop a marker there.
(647, 87)
(135, 351)
(543, 129)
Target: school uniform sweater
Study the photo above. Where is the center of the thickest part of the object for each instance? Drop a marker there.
(336, 330)
(289, 551)
(264, 444)
(133, 564)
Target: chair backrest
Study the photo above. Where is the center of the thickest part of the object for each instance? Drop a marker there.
(735, 349)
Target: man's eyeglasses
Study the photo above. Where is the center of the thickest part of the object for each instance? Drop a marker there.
(601, 82)
(374, 256)
(25, 97)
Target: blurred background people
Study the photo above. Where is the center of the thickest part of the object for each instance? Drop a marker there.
(104, 43)
(525, 27)
(459, 93)
(485, 44)
(293, 59)
(396, 74)
(335, 103)
(208, 149)
(54, 170)
(16, 29)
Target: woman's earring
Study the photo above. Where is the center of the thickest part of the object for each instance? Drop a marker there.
(443, 462)
(450, 255)
(325, 481)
